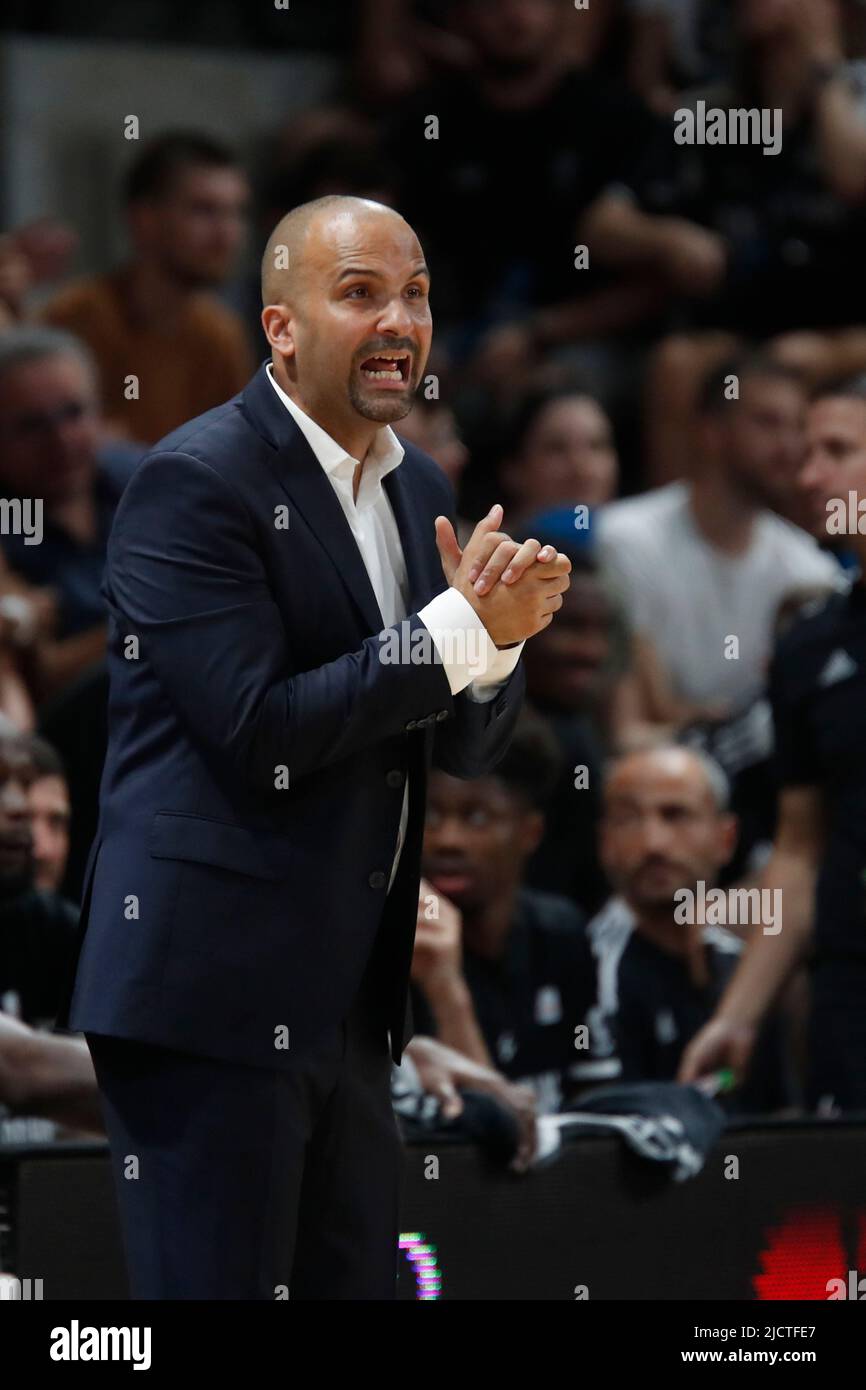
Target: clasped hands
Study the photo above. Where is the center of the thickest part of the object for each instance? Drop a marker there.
(514, 588)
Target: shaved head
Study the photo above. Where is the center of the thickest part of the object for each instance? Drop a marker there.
(669, 762)
(664, 825)
(347, 314)
(283, 260)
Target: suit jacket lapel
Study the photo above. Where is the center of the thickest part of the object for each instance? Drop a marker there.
(312, 493)
(309, 489)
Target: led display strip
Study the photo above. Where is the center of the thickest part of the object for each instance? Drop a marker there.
(422, 1256)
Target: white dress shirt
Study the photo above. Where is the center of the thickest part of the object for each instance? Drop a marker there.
(374, 526)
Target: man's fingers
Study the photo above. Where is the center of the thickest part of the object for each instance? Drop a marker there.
(484, 551)
(699, 1058)
(478, 543)
(557, 564)
(448, 1097)
(690, 1066)
(490, 522)
(449, 550)
(525, 556)
(558, 585)
(550, 564)
(502, 557)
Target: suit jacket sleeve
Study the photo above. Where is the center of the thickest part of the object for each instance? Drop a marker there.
(185, 574)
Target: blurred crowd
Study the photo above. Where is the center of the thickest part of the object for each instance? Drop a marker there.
(635, 344)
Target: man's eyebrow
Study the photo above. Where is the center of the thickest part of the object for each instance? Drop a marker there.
(362, 270)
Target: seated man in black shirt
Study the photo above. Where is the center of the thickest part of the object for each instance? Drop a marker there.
(37, 929)
(818, 864)
(663, 951)
(518, 999)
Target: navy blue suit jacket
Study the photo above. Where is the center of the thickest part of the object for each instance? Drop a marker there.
(218, 908)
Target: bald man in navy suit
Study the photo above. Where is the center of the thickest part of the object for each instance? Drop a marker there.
(294, 636)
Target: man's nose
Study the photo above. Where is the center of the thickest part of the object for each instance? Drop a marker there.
(654, 834)
(811, 475)
(395, 318)
(449, 833)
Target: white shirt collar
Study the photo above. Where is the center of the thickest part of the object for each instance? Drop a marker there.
(385, 453)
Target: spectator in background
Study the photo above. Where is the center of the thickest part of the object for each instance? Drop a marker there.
(791, 225)
(568, 682)
(50, 436)
(50, 814)
(705, 565)
(817, 690)
(525, 979)
(186, 200)
(401, 45)
(564, 454)
(524, 152)
(674, 44)
(48, 1076)
(665, 827)
(431, 424)
(31, 255)
(19, 607)
(319, 151)
(37, 928)
(595, 686)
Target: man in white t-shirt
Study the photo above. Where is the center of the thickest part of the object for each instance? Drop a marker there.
(706, 565)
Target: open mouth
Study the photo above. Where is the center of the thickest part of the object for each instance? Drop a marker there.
(391, 367)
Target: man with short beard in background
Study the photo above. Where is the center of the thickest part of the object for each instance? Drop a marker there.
(37, 928)
(147, 321)
(665, 828)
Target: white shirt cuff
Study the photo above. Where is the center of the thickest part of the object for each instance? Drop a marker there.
(484, 687)
(468, 652)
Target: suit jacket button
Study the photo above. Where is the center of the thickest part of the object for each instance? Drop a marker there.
(377, 879)
(394, 778)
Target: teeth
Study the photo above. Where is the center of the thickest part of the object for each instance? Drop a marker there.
(383, 376)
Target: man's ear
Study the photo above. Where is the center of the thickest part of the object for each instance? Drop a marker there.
(278, 329)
